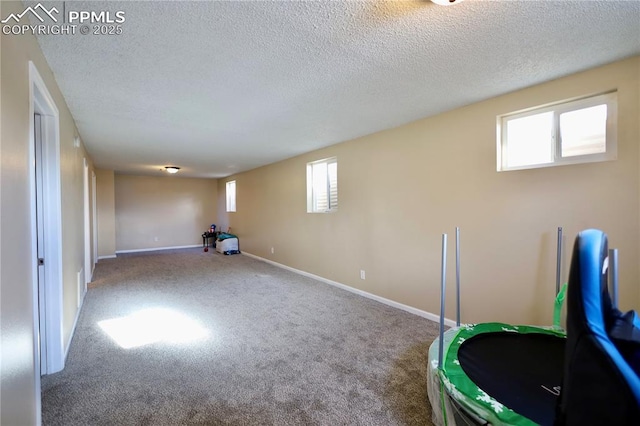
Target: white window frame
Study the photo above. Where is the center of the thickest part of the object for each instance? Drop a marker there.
(230, 193)
(610, 99)
(311, 206)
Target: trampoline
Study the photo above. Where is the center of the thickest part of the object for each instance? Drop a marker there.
(496, 373)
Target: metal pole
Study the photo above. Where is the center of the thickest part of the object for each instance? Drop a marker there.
(559, 260)
(443, 276)
(613, 275)
(457, 276)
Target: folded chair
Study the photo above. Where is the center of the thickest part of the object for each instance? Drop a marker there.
(600, 385)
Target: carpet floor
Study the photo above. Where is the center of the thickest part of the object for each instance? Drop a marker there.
(184, 337)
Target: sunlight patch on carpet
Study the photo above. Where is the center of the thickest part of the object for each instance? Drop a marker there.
(153, 325)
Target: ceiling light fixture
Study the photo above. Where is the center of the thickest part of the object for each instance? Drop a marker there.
(446, 2)
(172, 169)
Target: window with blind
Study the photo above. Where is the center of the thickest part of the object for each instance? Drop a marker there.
(577, 131)
(231, 196)
(322, 186)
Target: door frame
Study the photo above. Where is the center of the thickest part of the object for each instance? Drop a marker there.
(41, 102)
(94, 221)
(88, 267)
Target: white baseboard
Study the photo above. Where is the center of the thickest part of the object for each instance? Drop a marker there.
(111, 256)
(157, 249)
(424, 314)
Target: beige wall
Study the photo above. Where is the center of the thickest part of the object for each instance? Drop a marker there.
(19, 378)
(106, 208)
(400, 189)
(157, 212)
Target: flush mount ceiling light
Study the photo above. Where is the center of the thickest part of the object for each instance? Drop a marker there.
(172, 169)
(446, 2)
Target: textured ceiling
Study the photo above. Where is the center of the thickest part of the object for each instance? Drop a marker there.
(221, 87)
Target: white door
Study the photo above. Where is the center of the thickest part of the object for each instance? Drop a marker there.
(37, 124)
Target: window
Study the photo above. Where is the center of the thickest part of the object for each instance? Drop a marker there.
(578, 131)
(231, 196)
(322, 186)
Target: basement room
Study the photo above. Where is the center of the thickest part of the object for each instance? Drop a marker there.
(376, 212)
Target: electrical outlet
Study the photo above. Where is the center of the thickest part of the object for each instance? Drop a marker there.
(155, 238)
(272, 250)
(362, 276)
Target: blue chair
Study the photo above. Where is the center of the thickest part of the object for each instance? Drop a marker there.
(601, 385)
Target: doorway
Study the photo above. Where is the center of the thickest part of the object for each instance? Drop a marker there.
(88, 267)
(46, 224)
(94, 220)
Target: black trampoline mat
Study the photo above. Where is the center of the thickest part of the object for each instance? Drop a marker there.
(521, 371)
